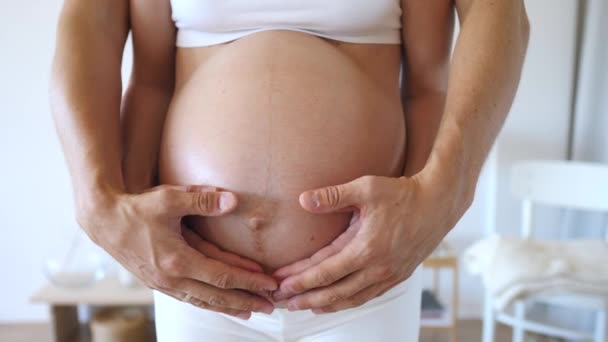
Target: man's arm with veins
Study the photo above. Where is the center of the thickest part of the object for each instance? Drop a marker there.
(484, 75)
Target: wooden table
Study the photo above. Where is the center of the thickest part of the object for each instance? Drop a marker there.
(444, 258)
(64, 303)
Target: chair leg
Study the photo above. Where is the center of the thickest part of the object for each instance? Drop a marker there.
(488, 318)
(600, 326)
(520, 316)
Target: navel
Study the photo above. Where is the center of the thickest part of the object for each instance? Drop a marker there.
(256, 223)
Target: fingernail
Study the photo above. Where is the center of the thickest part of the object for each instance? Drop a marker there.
(315, 200)
(227, 201)
(244, 315)
(279, 277)
(272, 287)
(267, 310)
(279, 296)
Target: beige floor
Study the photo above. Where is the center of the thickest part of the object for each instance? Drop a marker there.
(469, 331)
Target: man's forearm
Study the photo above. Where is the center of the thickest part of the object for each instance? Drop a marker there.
(484, 76)
(86, 94)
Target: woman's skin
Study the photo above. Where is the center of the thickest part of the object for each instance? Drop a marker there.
(298, 113)
(415, 212)
(268, 153)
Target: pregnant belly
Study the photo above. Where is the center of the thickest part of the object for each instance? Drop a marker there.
(268, 117)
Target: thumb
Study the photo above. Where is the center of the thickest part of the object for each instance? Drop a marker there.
(331, 198)
(204, 203)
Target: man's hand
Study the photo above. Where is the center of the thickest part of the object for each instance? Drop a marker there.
(397, 223)
(144, 233)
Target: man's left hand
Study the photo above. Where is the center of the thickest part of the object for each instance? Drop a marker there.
(396, 224)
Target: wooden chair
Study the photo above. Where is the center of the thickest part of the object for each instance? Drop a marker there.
(562, 184)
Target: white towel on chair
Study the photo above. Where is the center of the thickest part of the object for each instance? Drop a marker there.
(513, 268)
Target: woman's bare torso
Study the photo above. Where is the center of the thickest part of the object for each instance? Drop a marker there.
(274, 114)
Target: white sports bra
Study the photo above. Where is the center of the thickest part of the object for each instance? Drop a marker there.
(210, 22)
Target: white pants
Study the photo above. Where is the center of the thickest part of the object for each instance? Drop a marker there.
(394, 316)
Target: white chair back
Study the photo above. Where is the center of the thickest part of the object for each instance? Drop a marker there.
(566, 184)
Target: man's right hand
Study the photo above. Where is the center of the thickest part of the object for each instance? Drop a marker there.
(144, 233)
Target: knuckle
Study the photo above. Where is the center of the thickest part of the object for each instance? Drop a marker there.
(216, 300)
(160, 281)
(297, 287)
(368, 184)
(324, 278)
(204, 201)
(171, 264)
(165, 198)
(248, 305)
(170, 283)
(386, 271)
(333, 297)
(357, 301)
(252, 284)
(199, 303)
(365, 252)
(242, 305)
(333, 195)
(223, 280)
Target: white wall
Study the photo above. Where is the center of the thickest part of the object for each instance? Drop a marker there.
(539, 122)
(35, 206)
(36, 214)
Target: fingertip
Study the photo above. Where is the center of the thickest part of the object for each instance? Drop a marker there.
(279, 274)
(244, 315)
(279, 277)
(302, 199)
(270, 284)
(251, 266)
(228, 201)
(280, 296)
(309, 200)
(268, 309)
(271, 287)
